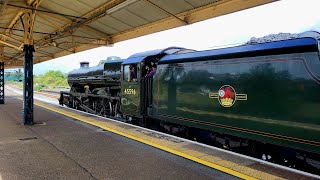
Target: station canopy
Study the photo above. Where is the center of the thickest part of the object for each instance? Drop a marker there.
(63, 27)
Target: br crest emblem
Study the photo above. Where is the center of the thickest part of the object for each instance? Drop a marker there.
(227, 96)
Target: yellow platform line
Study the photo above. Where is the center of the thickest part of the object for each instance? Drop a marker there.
(172, 151)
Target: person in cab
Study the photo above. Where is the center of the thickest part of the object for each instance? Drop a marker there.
(133, 74)
(152, 72)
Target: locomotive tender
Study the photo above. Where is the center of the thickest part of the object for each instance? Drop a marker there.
(260, 99)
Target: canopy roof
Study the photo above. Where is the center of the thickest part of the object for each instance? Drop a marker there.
(63, 27)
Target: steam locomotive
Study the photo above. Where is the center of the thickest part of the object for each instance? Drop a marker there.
(260, 99)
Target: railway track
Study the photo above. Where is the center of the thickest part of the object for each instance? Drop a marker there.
(47, 93)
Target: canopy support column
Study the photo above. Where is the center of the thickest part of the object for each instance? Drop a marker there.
(28, 50)
(1, 75)
(1, 82)
(28, 85)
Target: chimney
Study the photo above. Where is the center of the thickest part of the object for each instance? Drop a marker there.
(84, 64)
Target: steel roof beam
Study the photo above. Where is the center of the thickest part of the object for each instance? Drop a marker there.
(9, 37)
(44, 11)
(27, 18)
(93, 32)
(14, 22)
(11, 45)
(103, 10)
(17, 18)
(96, 33)
(28, 24)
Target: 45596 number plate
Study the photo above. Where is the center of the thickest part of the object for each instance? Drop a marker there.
(130, 91)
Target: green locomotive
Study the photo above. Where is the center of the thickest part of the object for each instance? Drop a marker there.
(260, 99)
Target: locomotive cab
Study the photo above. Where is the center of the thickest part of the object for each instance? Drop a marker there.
(130, 88)
(138, 72)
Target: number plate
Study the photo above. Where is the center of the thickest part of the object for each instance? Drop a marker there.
(130, 91)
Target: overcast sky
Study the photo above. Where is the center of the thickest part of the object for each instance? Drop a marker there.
(287, 16)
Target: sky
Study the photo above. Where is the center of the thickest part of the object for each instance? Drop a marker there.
(286, 16)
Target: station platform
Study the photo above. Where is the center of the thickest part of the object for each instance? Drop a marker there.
(67, 144)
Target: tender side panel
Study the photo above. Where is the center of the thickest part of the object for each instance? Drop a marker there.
(274, 98)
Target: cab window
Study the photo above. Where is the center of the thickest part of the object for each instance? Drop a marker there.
(130, 73)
